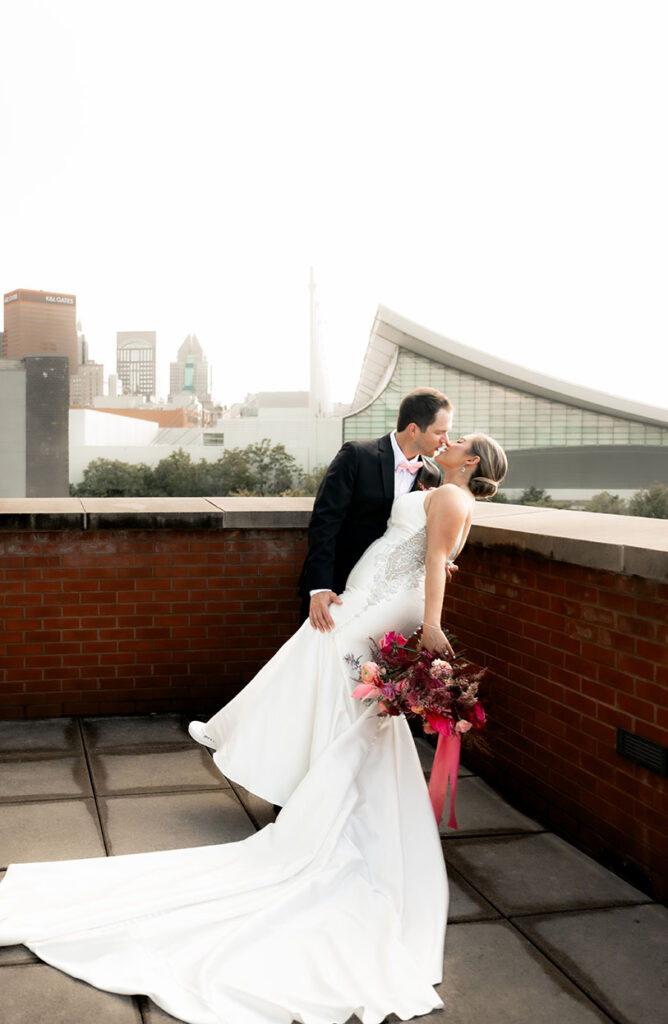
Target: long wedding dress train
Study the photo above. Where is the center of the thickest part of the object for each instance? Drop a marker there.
(337, 908)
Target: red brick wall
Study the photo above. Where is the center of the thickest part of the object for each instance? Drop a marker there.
(573, 653)
(108, 621)
(131, 620)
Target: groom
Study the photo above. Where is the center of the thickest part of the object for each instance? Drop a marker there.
(355, 498)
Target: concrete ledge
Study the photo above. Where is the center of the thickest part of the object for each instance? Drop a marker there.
(41, 514)
(630, 545)
(253, 513)
(150, 514)
(47, 514)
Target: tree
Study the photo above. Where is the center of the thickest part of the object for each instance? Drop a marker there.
(652, 502)
(310, 484)
(176, 475)
(607, 502)
(111, 478)
(256, 470)
(230, 474)
(274, 469)
(534, 496)
(499, 497)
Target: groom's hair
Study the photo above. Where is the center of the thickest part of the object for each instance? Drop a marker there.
(421, 406)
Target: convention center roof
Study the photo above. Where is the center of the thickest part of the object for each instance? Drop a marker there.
(392, 332)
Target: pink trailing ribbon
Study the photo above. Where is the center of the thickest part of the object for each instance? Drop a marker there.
(444, 770)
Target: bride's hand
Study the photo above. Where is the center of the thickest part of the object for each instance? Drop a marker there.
(436, 642)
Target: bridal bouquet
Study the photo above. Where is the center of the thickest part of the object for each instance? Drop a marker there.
(443, 694)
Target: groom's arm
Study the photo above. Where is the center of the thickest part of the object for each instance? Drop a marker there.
(330, 508)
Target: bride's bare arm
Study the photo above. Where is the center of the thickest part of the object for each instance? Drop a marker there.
(446, 514)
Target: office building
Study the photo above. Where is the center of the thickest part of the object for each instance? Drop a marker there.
(190, 372)
(86, 384)
(34, 427)
(135, 362)
(40, 323)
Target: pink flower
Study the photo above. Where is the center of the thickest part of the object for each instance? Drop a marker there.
(388, 639)
(369, 672)
(441, 669)
(364, 691)
(462, 726)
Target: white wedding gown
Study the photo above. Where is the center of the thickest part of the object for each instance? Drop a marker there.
(338, 908)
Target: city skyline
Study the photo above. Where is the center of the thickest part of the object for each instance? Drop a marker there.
(455, 173)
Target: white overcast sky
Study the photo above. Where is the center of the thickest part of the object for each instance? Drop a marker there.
(496, 170)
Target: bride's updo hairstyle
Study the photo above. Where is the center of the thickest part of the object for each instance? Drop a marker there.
(491, 469)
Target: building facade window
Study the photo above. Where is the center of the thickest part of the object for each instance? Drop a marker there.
(515, 418)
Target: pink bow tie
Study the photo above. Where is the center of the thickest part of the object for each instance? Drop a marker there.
(409, 467)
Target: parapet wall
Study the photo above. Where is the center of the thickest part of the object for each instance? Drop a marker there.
(122, 605)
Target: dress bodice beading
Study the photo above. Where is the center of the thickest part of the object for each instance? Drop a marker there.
(395, 562)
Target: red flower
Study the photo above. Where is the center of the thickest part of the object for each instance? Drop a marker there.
(479, 716)
(388, 640)
(440, 724)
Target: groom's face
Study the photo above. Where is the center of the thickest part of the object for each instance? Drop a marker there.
(436, 434)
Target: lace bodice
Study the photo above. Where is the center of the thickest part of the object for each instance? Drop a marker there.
(396, 560)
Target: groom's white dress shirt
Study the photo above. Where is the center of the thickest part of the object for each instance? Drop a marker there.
(403, 480)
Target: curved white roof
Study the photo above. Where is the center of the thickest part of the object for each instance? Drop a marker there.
(391, 332)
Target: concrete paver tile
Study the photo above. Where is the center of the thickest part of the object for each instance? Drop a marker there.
(38, 735)
(158, 770)
(16, 955)
(154, 1014)
(426, 754)
(465, 903)
(173, 821)
(261, 810)
(537, 874)
(142, 731)
(36, 992)
(44, 778)
(492, 974)
(481, 811)
(53, 830)
(618, 956)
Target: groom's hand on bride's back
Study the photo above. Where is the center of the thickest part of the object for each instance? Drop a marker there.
(318, 615)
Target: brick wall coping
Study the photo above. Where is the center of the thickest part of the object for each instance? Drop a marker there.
(630, 545)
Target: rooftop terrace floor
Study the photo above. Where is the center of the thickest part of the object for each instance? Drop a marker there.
(538, 933)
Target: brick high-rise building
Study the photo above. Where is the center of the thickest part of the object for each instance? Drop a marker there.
(40, 323)
(135, 362)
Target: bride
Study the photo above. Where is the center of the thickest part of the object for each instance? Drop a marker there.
(339, 906)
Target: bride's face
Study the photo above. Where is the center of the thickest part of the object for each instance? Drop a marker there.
(455, 454)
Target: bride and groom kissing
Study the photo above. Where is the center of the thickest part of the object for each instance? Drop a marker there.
(339, 907)
(355, 498)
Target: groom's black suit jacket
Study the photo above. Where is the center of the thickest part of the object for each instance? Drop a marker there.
(350, 511)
